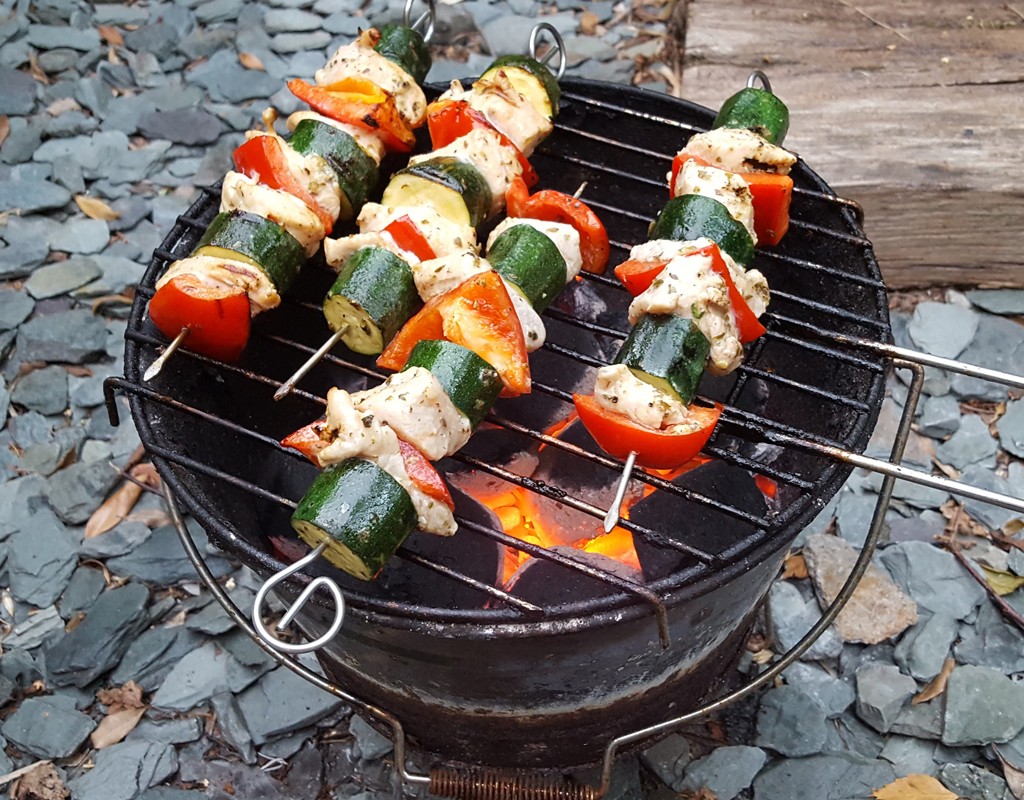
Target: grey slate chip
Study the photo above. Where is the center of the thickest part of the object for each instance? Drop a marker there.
(185, 126)
(923, 721)
(41, 559)
(196, 678)
(910, 756)
(291, 20)
(15, 308)
(81, 235)
(97, 644)
(232, 726)
(160, 559)
(997, 345)
(940, 417)
(283, 702)
(933, 578)
(982, 706)
(297, 42)
(154, 654)
(33, 631)
(18, 91)
(30, 196)
(726, 771)
(943, 329)
(23, 138)
(123, 538)
(970, 780)
(77, 491)
(668, 760)
(84, 587)
(792, 617)
(924, 647)
(172, 731)
(372, 745)
(971, 444)
(72, 337)
(1011, 428)
(790, 722)
(50, 37)
(998, 301)
(882, 691)
(838, 776)
(44, 390)
(992, 642)
(47, 727)
(833, 694)
(123, 770)
(228, 81)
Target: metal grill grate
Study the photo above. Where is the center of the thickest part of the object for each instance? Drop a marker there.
(825, 286)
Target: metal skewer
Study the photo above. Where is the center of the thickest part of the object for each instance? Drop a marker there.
(154, 369)
(611, 519)
(285, 388)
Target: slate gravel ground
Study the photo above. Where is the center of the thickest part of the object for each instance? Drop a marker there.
(121, 111)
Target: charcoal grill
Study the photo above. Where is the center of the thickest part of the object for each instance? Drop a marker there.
(482, 676)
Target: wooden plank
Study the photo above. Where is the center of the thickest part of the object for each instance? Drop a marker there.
(915, 109)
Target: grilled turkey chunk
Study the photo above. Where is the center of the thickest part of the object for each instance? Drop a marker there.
(726, 187)
(228, 274)
(444, 236)
(313, 172)
(242, 193)
(689, 287)
(739, 150)
(618, 389)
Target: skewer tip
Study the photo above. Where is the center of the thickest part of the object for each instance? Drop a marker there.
(155, 368)
(611, 519)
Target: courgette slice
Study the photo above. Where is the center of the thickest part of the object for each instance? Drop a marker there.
(373, 296)
(524, 256)
(470, 382)
(406, 48)
(255, 240)
(757, 110)
(532, 80)
(691, 216)
(461, 179)
(356, 171)
(668, 352)
(360, 511)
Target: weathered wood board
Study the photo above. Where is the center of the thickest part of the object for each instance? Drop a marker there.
(915, 109)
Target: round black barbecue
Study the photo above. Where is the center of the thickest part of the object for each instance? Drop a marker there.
(547, 673)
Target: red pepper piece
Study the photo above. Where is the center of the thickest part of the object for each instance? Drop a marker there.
(452, 119)
(409, 237)
(423, 474)
(637, 276)
(479, 315)
(217, 319)
(263, 158)
(360, 102)
(552, 206)
(308, 440)
(657, 449)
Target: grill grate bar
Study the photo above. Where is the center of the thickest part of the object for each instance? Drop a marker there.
(811, 266)
(842, 313)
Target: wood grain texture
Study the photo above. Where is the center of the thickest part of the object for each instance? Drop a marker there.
(915, 109)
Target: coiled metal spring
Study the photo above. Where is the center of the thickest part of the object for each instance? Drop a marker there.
(506, 785)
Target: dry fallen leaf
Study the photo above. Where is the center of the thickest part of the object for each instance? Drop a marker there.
(111, 35)
(114, 727)
(40, 783)
(94, 208)
(128, 695)
(795, 567)
(914, 787)
(588, 23)
(150, 517)
(250, 61)
(1014, 777)
(937, 685)
(5, 128)
(115, 508)
(1002, 583)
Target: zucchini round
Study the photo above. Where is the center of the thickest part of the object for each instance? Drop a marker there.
(360, 511)
(470, 382)
(666, 351)
(524, 256)
(406, 48)
(356, 171)
(519, 69)
(757, 110)
(374, 295)
(460, 177)
(255, 240)
(691, 216)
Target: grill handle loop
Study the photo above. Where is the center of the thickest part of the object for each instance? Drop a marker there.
(756, 77)
(295, 648)
(429, 16)
(558, 48)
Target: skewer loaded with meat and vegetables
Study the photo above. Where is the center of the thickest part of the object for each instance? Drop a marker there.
(457, 355)
(695, 303)
(288, 192)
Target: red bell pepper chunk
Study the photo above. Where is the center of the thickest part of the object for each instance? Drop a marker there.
(423, 474)
(451, 119)
(637, 277)
(308, 440)
(217, 319)
(263, 158)
(552, 206)
(360, 102)
(771, 194)
(479, 315)
(409, 237)
(657, 449)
